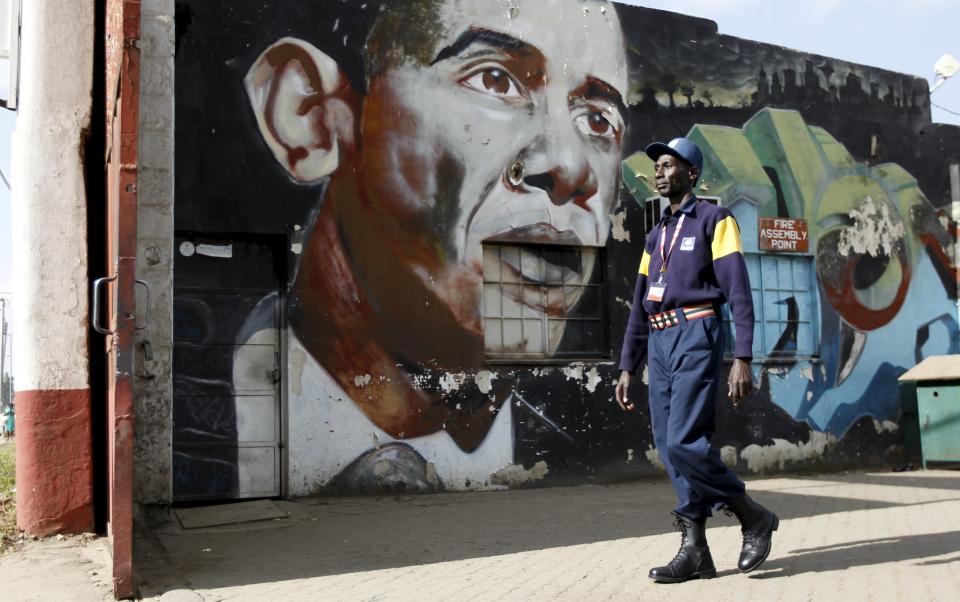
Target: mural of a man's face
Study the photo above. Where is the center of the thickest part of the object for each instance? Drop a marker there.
(539, 89)
(509, 128)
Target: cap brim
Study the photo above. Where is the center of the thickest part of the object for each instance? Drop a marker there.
(659, 149)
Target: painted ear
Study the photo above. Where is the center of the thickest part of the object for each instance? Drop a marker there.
(304, 107)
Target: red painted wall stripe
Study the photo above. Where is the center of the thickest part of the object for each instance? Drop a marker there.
(54, 461)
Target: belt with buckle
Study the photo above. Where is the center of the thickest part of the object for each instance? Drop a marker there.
(669, 318)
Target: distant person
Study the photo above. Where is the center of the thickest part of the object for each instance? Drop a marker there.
(692, 264)
(8, 423)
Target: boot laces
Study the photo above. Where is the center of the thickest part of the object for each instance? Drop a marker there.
(751, 537)
(752, 532)
(680, 526)
(731, 511)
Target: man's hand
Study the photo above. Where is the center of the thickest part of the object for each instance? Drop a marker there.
(623, 385)
(740, 382)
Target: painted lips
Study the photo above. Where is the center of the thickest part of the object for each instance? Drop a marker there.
(540, 270)
(547, 287)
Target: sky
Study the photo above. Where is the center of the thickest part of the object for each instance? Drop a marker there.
(901, 35)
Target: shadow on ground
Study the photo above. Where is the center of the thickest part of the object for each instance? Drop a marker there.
(860, 553)
(330, 536)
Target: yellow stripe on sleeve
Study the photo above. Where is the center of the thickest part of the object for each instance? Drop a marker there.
(726, 238)
(645, 263)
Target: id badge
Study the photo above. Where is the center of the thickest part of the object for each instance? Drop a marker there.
(656, 291)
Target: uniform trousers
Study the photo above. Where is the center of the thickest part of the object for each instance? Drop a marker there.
(683, 364)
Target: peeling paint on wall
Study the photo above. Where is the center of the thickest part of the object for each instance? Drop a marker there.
(451, 382)
(762, 458)
(728, 454)
(484, 380)
(593, 379)
(514, 474)
(885, 426)
(619, 232)
(654, 458)
(875, 230)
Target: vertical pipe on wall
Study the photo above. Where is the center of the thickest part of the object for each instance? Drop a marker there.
(54, 456)
(955, 210)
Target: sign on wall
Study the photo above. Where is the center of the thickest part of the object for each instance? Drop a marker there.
(783, 235)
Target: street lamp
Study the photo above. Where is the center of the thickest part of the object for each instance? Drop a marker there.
(945, 68)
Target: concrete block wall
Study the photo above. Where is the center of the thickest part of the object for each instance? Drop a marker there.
(153, 388)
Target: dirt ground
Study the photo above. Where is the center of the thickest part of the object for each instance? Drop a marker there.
(71, 569)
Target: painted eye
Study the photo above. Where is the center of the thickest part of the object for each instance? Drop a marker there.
(494, 81)
(596, 123)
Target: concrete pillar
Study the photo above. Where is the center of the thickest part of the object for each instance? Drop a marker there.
(54, 447)
(153, 355)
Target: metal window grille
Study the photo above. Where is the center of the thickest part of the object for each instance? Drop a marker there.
(538, 304)
(784, 305)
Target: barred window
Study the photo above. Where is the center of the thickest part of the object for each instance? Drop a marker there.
(541, 302)
(784, 306)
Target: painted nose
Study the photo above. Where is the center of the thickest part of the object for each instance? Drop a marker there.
(564, 185)
(557, 164)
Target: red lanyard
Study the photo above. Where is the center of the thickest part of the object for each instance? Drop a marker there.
(664, 257)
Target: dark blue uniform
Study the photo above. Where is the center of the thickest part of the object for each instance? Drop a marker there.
(685, 276)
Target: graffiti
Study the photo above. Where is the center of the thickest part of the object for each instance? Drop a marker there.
(868, 227)
(487, 129)
(752, 76)
(452, 247)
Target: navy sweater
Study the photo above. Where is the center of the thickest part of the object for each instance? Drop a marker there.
(706, 266)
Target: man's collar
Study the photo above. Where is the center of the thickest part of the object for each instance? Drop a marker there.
(684, 208)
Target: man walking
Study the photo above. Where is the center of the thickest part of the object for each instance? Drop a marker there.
(692, 263)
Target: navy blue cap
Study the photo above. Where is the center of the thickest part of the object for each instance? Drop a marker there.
(681, 148)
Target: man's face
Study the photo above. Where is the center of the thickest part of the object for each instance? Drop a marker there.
(537, 88)
(674, 176)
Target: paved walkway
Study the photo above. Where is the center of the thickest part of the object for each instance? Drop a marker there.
(858, 536)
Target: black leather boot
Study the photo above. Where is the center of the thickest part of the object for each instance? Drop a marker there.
(757, 525)
(693, 561)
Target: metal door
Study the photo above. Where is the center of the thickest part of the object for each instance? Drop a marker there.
(226, 369)
(938, 405)
(114, 301)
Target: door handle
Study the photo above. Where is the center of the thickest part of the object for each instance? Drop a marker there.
(95, 305)
(275, 373)
(146, 317)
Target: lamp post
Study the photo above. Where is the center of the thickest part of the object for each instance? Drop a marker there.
(945, 68)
